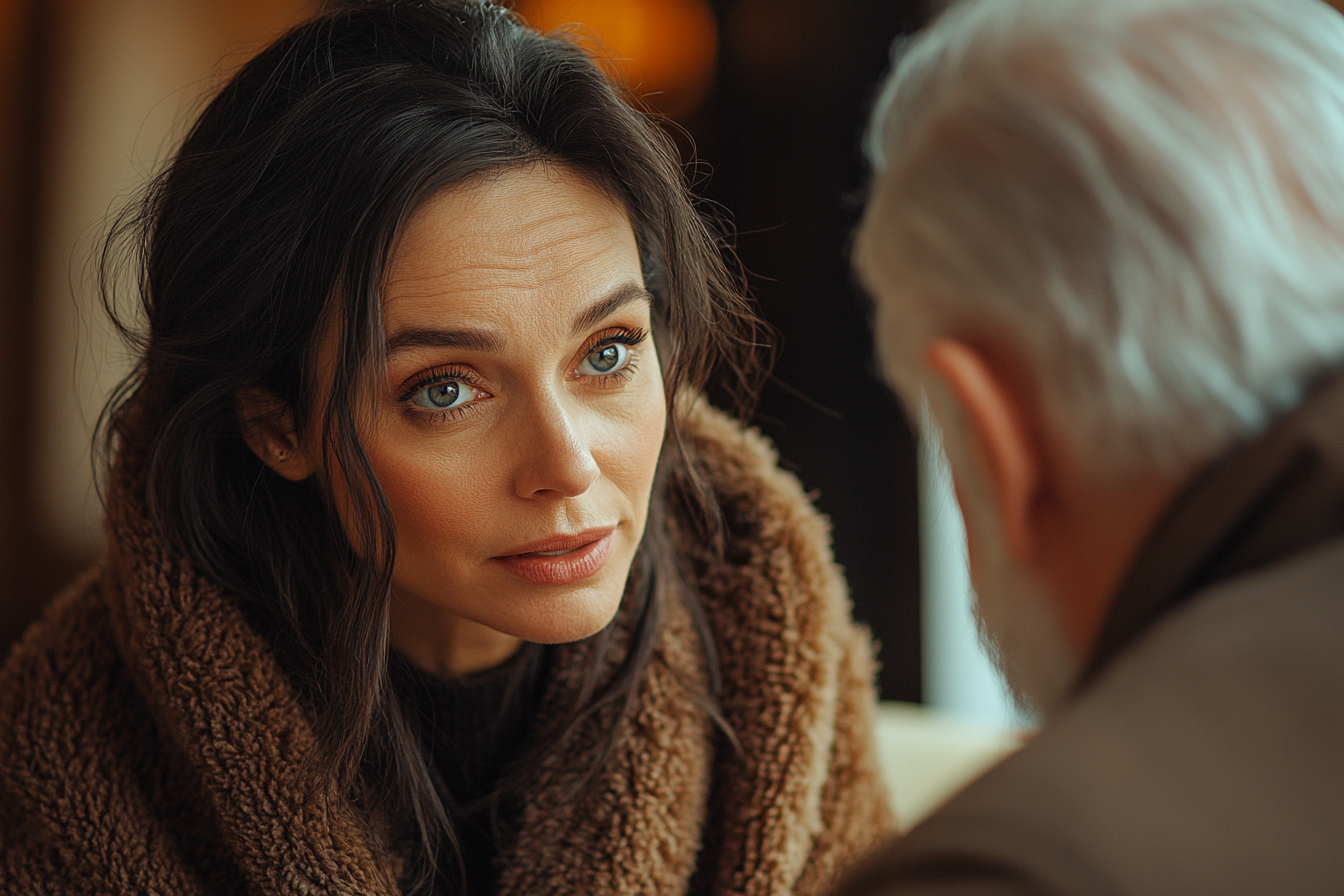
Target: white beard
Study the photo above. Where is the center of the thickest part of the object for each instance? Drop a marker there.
(1017, 620)
(1020, 632)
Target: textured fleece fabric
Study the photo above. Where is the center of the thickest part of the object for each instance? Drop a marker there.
(149, 742)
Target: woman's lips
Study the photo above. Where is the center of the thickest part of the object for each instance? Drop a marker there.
(560, 560)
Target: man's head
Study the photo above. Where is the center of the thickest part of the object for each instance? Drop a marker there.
(1106, 241)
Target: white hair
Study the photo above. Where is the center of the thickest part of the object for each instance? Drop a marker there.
(1146, 197)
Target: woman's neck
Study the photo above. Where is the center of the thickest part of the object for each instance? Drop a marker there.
(444, 643)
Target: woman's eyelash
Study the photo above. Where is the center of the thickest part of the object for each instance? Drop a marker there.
(432, 377)
(622, 335)
(630, 339)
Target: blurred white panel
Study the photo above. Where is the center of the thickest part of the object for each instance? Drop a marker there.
(130, 71)
(959, 677)
(928, 755)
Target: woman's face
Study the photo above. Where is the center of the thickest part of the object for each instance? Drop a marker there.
(519, 424)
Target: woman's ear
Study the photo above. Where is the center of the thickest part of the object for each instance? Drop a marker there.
(267, 425)
(999, 427)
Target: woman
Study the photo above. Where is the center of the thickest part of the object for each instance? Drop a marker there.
(427, 307)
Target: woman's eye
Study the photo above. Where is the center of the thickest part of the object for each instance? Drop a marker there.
(605, 359)
(443, 396)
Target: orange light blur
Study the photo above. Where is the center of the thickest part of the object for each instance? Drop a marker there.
(246, 26)
(663, 50)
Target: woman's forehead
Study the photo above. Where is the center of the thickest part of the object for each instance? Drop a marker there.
(540, 236)
(505, 216)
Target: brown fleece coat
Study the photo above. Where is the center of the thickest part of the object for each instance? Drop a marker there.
(149, 742)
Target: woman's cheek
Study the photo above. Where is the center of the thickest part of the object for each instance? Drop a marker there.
(640, 437)
(431, 494)
(652, 425)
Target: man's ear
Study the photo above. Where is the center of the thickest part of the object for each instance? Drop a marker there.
(997, 416)
(267, 425)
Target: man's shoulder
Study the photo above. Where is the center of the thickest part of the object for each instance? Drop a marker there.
(1205, 758)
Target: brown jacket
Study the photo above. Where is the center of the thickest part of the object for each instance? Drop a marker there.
(1204, 751)
(149, 742)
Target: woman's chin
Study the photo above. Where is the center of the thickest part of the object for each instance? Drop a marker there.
(559, 618)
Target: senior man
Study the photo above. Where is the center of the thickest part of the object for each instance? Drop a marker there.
(1106, 249)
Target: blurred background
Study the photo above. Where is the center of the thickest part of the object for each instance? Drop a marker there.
(766, 100)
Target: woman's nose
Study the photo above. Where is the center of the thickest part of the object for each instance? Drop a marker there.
(555, 456)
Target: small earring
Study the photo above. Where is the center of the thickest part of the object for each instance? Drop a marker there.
(280, 456)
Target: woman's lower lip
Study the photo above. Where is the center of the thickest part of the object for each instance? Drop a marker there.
(562, 569)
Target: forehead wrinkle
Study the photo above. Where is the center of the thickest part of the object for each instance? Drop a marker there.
(504, 251)
(432, 285)
(542, 253)
(508, 264)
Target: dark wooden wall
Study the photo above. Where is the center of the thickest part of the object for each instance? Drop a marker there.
(780, 137)
(38, 45)
(32, 566)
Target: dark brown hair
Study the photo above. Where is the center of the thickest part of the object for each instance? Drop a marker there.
(275, 222)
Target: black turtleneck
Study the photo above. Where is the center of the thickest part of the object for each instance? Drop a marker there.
(471, 726)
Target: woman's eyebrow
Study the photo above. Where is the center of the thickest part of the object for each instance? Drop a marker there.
(486, 341)
(475, 340)
(600, 310)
